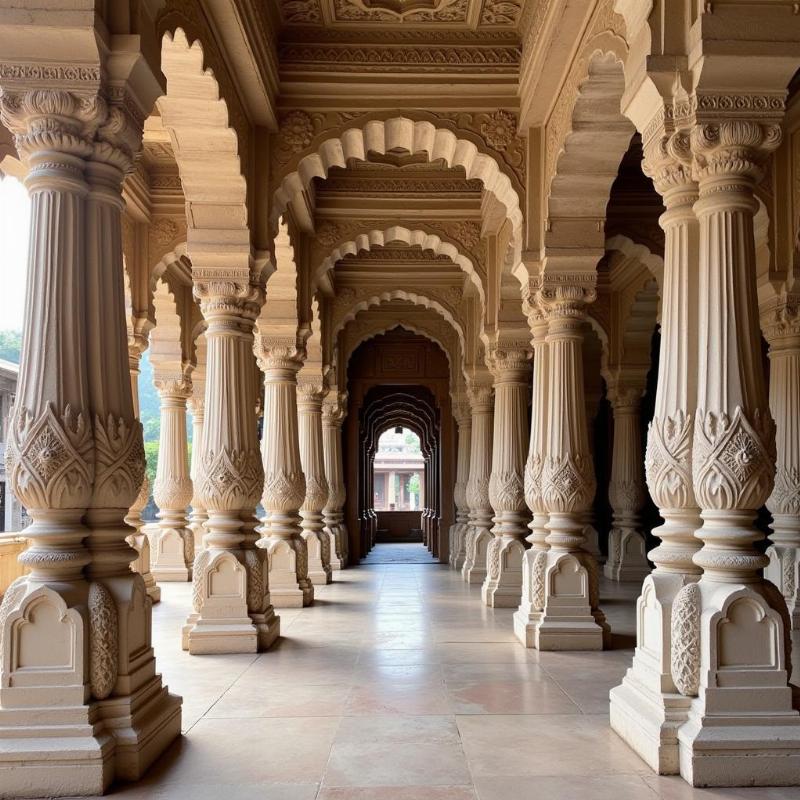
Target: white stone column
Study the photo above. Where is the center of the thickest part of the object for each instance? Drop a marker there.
(481, 403)
(230, 580)
(139, 540)
(310, 393)
(75, 655)
(198, 515)
(284, 482)
(626, 492)
(172, 543)
(502, 587)
(571, 618)
(458, 531)
(781, 326)
(647, 709)
(532, 604)
(738, 674)
(334, 409)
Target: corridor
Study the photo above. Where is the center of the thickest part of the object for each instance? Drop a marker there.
(398, 684)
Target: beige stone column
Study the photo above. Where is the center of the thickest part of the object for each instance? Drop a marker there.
(781, 326)
(647, 709)
(737, 676)
(626, 492)
(139, 540)
(172, 543)
(481, 403)
(571, 618)
(532, 604)
(334, 409)
(310, 393)
(458, 531)
(231, 580)
(503, 585)
(198, 515)
(80, 700)
(284, 482)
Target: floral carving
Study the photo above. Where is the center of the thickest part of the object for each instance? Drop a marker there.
(50, 460)
(685, 655)
(328, 233)
(568, 482)
(103, 641)
(230, 479)
(500, 129)
(506, 492)
(538, 580)
(493, 559)
(256, 589)
(283, 491)
(164, 230)
(119, 461)
(296, 131)
(501, 12)
(199, 579)
(668, 460)
(732, 465)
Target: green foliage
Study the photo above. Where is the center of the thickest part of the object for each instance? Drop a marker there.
(412, 486)
(10, 345)
(151, 454)
(412, 442)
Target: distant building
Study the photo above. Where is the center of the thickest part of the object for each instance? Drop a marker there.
(12, 514)
(396, 463)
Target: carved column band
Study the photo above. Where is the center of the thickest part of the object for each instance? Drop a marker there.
(334, 409)
(458, 532)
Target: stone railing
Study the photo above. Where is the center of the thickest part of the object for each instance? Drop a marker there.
(11, 545)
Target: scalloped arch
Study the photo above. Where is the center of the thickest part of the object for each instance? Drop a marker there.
(205, 142)
(166, 350)
(399, 233)
(631, 249)
(400, 134)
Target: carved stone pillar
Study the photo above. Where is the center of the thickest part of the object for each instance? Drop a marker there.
(481, 403)
(781, 325)
(139, 540)
(230, 579)
(591, 536)
(647, 709)
(334, 409)
(198, 515)
(284, 482)
(626, 492)
(80, 700)
(458, 531)
(172, 544)
(310, 393)
(503, 585)
(532, 604)
(571, 618)
(738, 675)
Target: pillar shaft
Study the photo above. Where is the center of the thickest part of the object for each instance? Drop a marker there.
(481, 402)
(232, 607)
(309, 414)
(333, 414)
(781, 325)
(284, 482)
(172, 544)
(503, 585)
(459, 530)
(571, 618)
(739, 619)
(198, 516)
(139, 540)
(532, 602)
(78, 685)
(626, 491)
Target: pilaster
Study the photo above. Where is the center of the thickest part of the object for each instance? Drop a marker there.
(172, 543)
(626, 492)
(503, 585)
(780, 322)
(458, 531)
(571, 618)
(310, 393)
(481, 403)
(284, 483)
(334, 410)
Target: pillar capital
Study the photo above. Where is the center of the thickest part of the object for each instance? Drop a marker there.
(510, 361)
(173, 386)
(481, 397)
(227, 299)
(279, 353)
(334, 409)
(311, 390)
(780, 321)
(563, 296)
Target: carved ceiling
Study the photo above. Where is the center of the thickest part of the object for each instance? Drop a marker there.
(458, 14)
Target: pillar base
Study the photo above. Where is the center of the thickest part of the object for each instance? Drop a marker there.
(268, 629)
(171, 574)
(203, 637)
(287, 597)
(474, 569)
(285, 588)
(525, 622)
(784, 571)
(627, 560)
(568, 634)
(319, 573)
(503, 585)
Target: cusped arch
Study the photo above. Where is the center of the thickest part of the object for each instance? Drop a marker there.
(205, 140)
(166, 339)
(585, 158)
(417, 237)
(396, 135)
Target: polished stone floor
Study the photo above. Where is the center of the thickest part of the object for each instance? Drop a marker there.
(399, 685)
